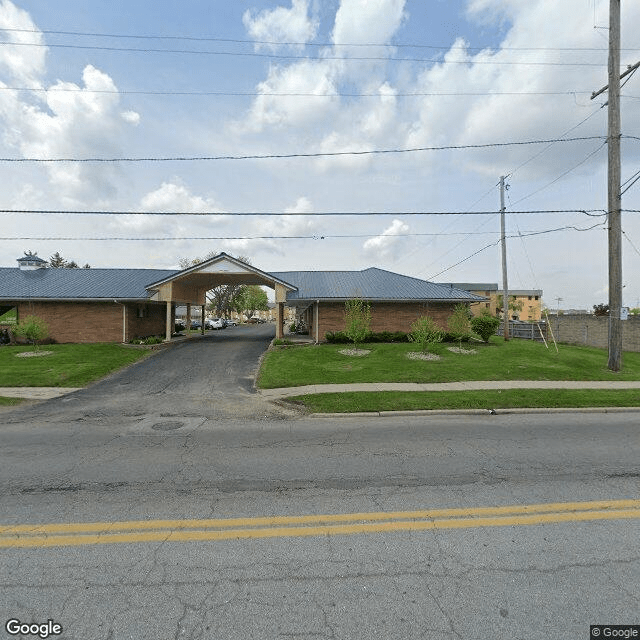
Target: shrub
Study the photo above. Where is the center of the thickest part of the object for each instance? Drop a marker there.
(485, 326)
(337, 337)
(459, 323)
(357, 315)
(425, 332)
(292, 327)
(33, 329)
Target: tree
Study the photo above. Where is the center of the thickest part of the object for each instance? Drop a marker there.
(56, 261)
(601, 309)
(32, 329)
(426, 332)
(515, 305)
(357, 316)
(251, 298)
(459, 322)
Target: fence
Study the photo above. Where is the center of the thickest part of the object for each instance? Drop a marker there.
(589, 330)
(526, 330)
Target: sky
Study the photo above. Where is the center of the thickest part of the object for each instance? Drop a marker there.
(154, 81)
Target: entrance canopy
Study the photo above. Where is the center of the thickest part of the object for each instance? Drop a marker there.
(190, 286)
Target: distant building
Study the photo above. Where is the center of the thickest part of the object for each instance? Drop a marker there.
(530, 300)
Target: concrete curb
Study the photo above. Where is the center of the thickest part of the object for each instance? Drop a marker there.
(474, 412)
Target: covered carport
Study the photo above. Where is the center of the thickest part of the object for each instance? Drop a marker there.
(189, 287)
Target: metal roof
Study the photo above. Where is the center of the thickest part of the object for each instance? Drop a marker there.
(78, 284)
(369, 284)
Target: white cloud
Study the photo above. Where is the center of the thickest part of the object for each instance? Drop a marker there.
(388, 244)
(131, 117)
(23, 64)
(281, 25)
(359, 22)
(304, 77)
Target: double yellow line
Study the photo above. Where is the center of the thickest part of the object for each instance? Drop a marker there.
(76, 534)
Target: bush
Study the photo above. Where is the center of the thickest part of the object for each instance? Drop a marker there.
(425, 332)
(459, 323)
(33, 329)
(357, 314)
(292, 327)
(485, 326)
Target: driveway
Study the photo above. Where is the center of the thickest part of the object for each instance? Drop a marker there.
(209, 376)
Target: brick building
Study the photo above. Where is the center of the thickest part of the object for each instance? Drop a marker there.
(396, 301)
(116, 305)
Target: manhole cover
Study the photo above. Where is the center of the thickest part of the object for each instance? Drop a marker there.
(167, 426)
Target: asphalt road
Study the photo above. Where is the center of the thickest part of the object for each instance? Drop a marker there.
(172, 451)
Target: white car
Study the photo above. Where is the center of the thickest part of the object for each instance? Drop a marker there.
(214, 323)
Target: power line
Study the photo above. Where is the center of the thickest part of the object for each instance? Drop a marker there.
(562, 175)
(493, 244)
(303, 155)
(290, 43)
(336, 94)
(631, 243)
(318, 236)
(589, 212)
(279, 56)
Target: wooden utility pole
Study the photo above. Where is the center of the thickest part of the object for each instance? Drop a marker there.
(614, 199)
(505, 288)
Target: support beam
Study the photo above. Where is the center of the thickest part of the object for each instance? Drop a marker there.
(279, 320)
(202, 319)
(168, 332)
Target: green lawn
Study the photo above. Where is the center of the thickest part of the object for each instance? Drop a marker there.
(70, 365)
(351, 402)
(498, 360)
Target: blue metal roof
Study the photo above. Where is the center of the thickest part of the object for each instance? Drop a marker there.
(74, 284)
(369, 284)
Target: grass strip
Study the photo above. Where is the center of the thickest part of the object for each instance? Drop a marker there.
(10, 402)
(69, 365)
(499, 360)
(357, 401)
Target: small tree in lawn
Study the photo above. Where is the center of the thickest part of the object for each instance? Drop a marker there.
(32, 329)
(459, 323)
(357, 315)
(425, 332)
(485, 325)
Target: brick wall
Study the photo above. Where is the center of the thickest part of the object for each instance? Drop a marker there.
(152, 322)
(95, 321)
(385, 316)
(77, 321)
(594, 331)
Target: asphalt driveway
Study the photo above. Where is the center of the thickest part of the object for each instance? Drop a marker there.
(209, 376)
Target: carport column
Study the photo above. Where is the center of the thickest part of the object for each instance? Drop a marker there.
(202, 316)
(167, 336)
(279, 320)
(188, 318)
(281, 298)
(317, 321)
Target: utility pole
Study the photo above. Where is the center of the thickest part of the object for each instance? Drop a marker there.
(614, 199)
(505, 288)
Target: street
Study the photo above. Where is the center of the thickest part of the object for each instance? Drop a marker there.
(150, 523)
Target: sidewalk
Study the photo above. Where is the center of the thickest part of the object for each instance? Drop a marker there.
(36, 393)
(286, 392)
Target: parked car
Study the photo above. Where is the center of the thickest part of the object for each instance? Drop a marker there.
(255, 320)
(230, 323)
(214, 323)
(195, 324)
